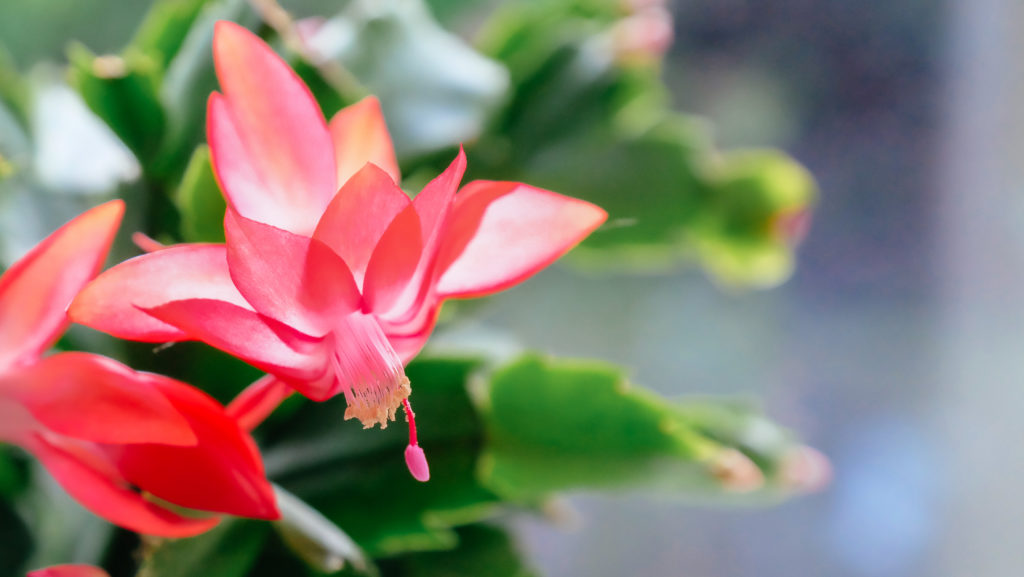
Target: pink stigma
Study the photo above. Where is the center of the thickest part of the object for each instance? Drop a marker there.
(414, 457)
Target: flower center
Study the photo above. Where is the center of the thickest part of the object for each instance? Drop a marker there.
(369, 372)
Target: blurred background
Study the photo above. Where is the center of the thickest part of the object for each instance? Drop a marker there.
(894, 348)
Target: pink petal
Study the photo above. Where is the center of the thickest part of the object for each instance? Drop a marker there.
(113, 302)
(93, 481)
(291, 278)
(278, 128)
(146, 243)
(69, 571)
(253, 405)
(223, 472)
(36, 290)
(239, 180)
(261, 341)
(435, 201)
(503, 232)
(360, 136)
(434, 206)
(394, 261)
(409, 338)
(358, 216)
(94, 398)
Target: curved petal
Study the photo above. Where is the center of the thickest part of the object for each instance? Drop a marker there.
(36, 290)
(412, 337)
(222, 472)
(358, 216)
(291, 278)
(114, 302)
(146, 243)
(239, 180)
(394, 261)
(94, 398)
(503, 232)
(261, 341)
(253, 405)
(433, 205)
(68, 571)
(94, 482)
(434, 202)
(294, 279)
(278, 125)
(361, 136)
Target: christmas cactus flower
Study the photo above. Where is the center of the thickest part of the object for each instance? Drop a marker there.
(331, 278)
(101, 429)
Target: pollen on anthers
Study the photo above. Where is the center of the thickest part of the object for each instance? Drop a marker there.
(373, 380)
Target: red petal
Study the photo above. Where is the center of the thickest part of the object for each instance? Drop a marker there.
(280, 130)
(253, 405)
(294, 279)
(36, 290)
(394, 261)
(503, 232)
(94, 482)
(113, 302)
(360, 136)
(222, 473)
(358, 216)
(94, 398)
(261, 341)
(69, 571)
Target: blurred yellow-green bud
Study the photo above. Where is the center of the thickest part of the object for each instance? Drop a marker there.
(762, 202)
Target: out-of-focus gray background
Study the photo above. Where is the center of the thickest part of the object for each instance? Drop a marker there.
(898, 347)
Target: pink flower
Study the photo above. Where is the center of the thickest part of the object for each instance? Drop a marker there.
(331, 278)
(101, 428)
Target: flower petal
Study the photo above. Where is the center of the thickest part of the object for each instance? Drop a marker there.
(68, 571)
(394, 261)
(222, 472)
(239, 180)
(408, 339)
(261, 341)
(94, 398)
(358, 216)
(435, 201)
(360, 136)
(291, 278)
(36, 290)
(433, 205)
(113, 302)
(253, 405)
(503, 232)
(93, 481)
(279, 126)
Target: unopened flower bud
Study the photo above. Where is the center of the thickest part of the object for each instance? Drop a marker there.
(737, 472)
(805, 470)
(644, 35)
